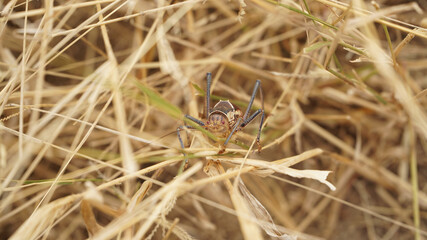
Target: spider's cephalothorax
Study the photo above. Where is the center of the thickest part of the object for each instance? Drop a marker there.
(223, 120)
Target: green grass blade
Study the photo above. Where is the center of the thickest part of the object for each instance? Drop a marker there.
(158, 101)
(316, 46)
(275, 2)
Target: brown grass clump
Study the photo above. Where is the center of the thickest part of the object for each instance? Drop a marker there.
(92, 93)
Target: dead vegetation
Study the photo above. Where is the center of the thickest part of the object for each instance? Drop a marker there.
(92, 93)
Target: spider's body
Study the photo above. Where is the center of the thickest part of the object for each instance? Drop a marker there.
(223, 120)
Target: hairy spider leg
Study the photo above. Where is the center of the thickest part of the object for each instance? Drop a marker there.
(208, 94)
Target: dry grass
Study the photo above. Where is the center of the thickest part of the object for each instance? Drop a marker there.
(93, 91)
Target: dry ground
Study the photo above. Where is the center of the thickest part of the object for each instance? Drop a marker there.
(92, 92)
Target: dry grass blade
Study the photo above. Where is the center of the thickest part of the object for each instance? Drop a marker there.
(44, 218)
(263, 217)
(92, 94)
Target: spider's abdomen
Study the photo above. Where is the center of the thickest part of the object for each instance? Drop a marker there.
(218, 124)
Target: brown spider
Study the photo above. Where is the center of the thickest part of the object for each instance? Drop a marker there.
(224, 119)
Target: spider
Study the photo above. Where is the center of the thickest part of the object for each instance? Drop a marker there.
(224, 119)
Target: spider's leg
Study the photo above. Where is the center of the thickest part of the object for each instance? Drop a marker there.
(247, 120)
(252, 117)
(259, 131)
(194, 120)
(178, 130)
(231, 134)
(208, 94)
(257, 85)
